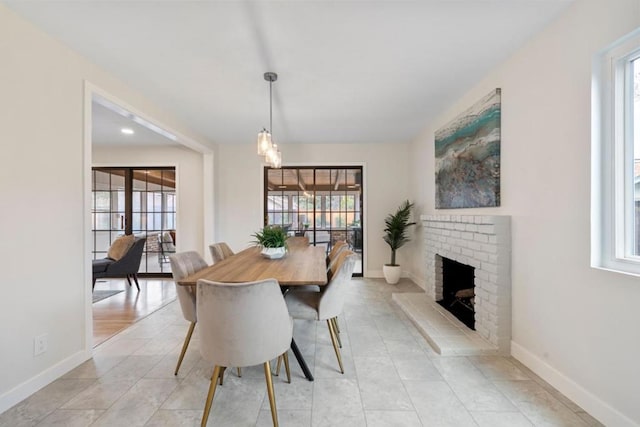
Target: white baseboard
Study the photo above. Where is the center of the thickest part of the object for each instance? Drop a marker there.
(375, 274)
(378, 274)
(27, 388)
(421, 282)
(597, 408)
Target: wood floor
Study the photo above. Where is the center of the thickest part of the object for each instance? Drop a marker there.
(113, 314)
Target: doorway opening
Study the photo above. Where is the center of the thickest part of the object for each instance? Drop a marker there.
(139, 201)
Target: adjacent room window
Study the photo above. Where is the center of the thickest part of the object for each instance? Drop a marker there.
(322, 203)
(139, 201)
(616, 158)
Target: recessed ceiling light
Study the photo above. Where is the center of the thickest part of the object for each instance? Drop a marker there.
(127, 131)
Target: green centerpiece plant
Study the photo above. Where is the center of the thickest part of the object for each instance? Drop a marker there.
(273, 240)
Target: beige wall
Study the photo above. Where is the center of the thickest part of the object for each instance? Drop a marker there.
(46, 279)
(574, 325)
(240, 182)
(189, 179)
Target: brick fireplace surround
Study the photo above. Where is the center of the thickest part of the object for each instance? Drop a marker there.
(483, 242)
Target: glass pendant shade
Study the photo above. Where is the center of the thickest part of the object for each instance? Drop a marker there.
(264, 142)
(270, 154)
(277, 160)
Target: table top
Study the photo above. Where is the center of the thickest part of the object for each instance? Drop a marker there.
(302, 265)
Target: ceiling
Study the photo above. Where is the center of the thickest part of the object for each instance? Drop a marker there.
(349, 71)
(314, 179)
(107, 128)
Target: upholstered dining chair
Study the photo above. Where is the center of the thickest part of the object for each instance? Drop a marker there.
(242, 324)
(220, 251)
(338, 247)
(184, 264)
(327, 304)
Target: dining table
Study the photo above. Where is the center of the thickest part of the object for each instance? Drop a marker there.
(302, 265)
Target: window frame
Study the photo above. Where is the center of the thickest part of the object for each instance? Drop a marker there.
(612, 181)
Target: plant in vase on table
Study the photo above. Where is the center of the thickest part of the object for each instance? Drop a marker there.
(396, 236)
(273, 240)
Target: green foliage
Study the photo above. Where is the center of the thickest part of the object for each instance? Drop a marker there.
(396, 228)
(271, 236)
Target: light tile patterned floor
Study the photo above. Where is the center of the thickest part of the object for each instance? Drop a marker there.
(392, 378)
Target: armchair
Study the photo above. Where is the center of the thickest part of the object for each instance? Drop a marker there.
(126, 267)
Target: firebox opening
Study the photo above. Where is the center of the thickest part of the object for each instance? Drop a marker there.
(458, 291)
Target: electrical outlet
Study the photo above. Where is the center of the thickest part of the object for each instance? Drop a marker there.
(39, 344)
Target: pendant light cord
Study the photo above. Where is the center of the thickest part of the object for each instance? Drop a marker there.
(270, 108)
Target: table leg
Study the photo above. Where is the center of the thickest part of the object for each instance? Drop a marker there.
(300, 359)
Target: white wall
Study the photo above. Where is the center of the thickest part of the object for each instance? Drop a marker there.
(46, 279)
(575, 326)
(189, 165)
(240, 183)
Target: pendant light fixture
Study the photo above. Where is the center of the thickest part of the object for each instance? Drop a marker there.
(266, 146)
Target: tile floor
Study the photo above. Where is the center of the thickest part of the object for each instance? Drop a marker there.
(392, 378)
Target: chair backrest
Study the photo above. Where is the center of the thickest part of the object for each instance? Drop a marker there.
(220, 251)
(242, 324)
(333, 256)
(130, 262)
(336, 249)
(332, 299)
(184, 264)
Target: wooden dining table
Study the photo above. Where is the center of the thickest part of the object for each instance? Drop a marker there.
(303, 264)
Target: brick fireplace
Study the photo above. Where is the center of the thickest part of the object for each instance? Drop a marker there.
(484, 243)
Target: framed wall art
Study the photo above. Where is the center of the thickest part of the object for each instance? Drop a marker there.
(467, 154)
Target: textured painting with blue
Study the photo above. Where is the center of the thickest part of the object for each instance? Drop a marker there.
(468, 157)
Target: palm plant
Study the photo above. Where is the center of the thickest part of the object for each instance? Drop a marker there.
(396, 228)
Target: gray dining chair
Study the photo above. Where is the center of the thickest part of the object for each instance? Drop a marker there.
(242, 324)
(220, 251)
(184, 264)
(338, 247)
(328, 304)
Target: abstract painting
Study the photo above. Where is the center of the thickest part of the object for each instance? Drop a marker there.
(468, 157)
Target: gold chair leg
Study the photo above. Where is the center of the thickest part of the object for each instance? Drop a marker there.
(279, 361)
(272, 396)
(239, 371)
(334, 341)
(285, 356)
(334, 323)
(222, 369)
(212, 391)
(187, 339)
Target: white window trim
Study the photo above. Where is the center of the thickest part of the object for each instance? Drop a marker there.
(612, 215)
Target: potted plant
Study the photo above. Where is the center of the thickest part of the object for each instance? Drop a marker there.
(273, 240)
(396, 236)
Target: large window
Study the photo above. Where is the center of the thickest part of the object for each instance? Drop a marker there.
(139, 201)
(616, 158)
(321, 203)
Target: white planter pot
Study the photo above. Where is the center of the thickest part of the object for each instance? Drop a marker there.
(273, 253)
(391, 273)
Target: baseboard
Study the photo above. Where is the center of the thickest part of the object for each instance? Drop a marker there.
(597, 408)
(375, 274)
(417, 280)
(27, 388)
(378, 274)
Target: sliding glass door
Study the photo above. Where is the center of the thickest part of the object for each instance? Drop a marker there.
(321, 203)
(139, 201)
